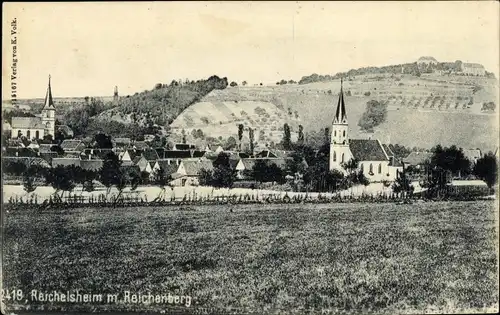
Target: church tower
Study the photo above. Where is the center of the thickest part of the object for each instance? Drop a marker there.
(49, 113)
(339, 143)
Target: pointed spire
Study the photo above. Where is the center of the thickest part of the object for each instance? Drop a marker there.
(341, 114)
(49, 103)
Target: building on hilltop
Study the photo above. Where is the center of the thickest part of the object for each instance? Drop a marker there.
(372, 159)
(427, 60)
(37, 127)
(473, 69)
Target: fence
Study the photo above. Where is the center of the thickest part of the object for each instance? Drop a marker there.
(76, 201)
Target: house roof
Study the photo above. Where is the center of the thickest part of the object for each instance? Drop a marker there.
(45, 148)
(194, 167)
(388, 150)
(150, 154)
(197, 154)
(92, 165)
(184, 146)
(27, 123)
(169, 168)
(71, 145)
(395, 162)
(264, 154)
(173, 154)
(121, 141)
(65, 162)
(48, 156)
(367, 150)
(250, 162)
(417, 158)
(140, 145)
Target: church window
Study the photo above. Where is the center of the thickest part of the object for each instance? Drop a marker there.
(335, 133)
(342, 158)
(47, 125)
(371, 168)
(37, 134)
(28, 134)
(344, 134)
(380, 168)
(19, 133)
(361, 167)
(334, 156)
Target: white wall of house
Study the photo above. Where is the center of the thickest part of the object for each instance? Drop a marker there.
(380, 169)
(15, 132)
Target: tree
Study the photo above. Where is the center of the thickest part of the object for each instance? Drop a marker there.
(264, 172)
(375, 114)
(450, 159)
(301, 135)
(61, 179)
(184, 136)
(233, 84)
(47, 139)
(162, 179)
(402, 184)
(251, 136)
(240, 133)
(287, 142)
(244, 83)
(486, 168)
(221, 176)
(230, 143)
(111, 174)
(103, 141)
(327, 136)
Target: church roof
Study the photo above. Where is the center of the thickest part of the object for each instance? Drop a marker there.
(367, 150)
(27, 123)
(340, 114)
(49, 102)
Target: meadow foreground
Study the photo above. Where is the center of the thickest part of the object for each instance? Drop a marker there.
(269, 259)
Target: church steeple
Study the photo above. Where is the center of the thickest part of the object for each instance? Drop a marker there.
(341, 114)
(340, 152)
(49, 102)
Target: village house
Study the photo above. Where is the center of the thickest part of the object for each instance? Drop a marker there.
(372, 159)
(72, 146)
(36, 127)
(188, 172)
(417, 159)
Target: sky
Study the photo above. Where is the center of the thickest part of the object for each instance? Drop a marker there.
(89, 48)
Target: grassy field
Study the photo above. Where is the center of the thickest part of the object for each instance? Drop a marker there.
(274, 259)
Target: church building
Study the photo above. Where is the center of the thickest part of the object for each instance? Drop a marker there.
(372, 158)
(37, 127)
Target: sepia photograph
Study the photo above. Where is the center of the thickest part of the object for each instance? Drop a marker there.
(248, 157)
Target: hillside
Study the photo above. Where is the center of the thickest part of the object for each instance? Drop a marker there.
(221, 119)
(163, 103)
(422, 111)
